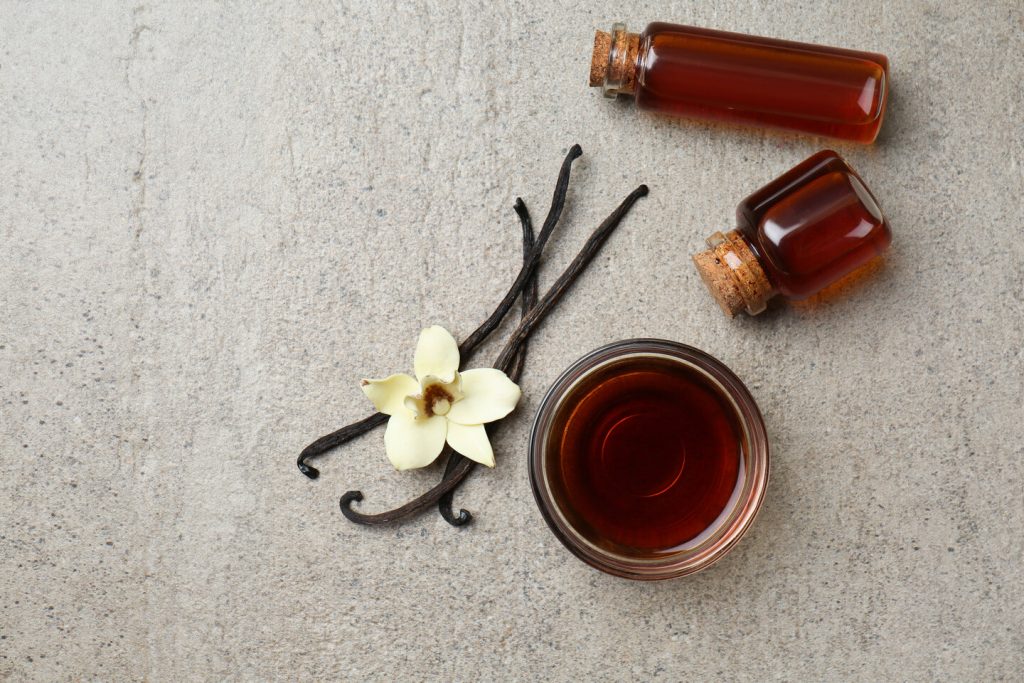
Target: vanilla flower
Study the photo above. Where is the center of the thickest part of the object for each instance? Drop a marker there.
(440, 405)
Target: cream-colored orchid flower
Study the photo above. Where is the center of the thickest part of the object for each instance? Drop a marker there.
(440, 404)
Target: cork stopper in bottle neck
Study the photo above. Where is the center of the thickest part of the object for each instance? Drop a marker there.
(613, 62)
(733, 274)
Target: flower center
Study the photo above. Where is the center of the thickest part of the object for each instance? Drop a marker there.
(436, 400)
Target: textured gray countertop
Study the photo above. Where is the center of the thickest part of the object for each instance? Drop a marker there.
(217, 218)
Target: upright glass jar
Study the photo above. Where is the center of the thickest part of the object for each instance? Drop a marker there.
(648, 459)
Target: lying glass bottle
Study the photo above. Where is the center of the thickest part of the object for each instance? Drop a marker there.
(805, 230)
(715, 75)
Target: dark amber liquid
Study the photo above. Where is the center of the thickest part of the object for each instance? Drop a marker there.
(813, 225)
(644, 455)
(761, 81)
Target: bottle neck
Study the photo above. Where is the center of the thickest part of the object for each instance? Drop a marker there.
(733, 274)
(613, 64)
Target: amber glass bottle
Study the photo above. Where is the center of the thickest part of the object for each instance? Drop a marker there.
(701, 73)
(801, 232)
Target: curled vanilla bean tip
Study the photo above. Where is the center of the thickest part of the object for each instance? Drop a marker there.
(464, 517)
(307, 469)
(346, 504)
(413, 507)
(444, 504)
(335, 439)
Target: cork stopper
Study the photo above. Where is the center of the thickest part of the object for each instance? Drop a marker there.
(599, 59)
(613, 61)
(733, 274)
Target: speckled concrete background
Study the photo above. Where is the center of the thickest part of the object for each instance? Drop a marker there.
(217, 218)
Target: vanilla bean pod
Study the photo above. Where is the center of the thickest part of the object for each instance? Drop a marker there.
(335, 439)
(528, 300)
(530, 294)
(457, 466)
(467, 347)
(464, 466)
(568, 277)
(532, 259)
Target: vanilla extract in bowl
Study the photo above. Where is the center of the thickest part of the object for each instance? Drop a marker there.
(649, 459)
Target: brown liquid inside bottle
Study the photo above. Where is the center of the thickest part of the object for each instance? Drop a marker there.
(805, 230)
(721, 76)
(646, 456)
(813, 225)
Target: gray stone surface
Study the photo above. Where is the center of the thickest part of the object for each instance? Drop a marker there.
(216, 218)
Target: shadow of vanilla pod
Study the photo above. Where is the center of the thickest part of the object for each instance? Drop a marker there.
(510, 360)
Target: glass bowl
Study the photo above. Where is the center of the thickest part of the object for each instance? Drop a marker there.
(708, 546)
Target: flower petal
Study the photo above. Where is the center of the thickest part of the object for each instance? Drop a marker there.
(437, 354)
(489, 395)
(472, 442)
(388, 394)
(412, 443)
